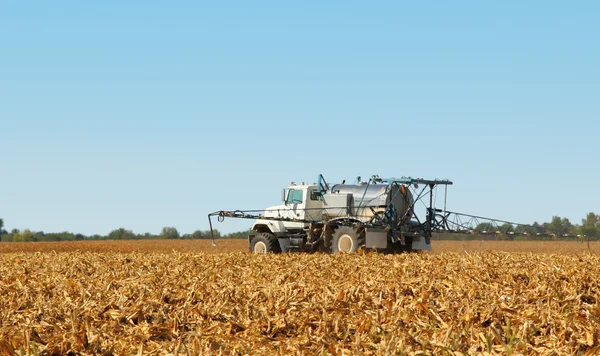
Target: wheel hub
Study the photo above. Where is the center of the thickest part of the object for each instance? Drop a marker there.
(260, 247)
(345, 243)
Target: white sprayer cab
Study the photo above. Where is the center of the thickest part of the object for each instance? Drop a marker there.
(300, 202)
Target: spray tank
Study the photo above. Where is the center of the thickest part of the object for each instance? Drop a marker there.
(367, 201)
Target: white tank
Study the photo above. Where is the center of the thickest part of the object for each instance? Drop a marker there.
(367, 199)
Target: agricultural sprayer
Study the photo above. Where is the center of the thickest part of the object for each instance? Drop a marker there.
(379, 213)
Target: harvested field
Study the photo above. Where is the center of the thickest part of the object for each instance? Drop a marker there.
(439, 246)
(562, 247)
(165, 246)
(237, 303)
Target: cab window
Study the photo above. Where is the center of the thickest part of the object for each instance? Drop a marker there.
(315, 195)
(294, 196)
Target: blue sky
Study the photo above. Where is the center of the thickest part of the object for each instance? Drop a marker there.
(150, 114)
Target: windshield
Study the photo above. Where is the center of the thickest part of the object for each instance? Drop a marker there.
(294, 196)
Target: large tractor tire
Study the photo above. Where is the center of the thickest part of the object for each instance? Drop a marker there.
(264, 242)
(347, 240)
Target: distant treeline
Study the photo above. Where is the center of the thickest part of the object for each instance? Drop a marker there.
(27, 235)
(557, 229)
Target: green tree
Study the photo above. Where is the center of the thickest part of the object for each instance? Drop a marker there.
(169, 233)
(590, 226)
(2, 231)
(559, 226)
(53, 236)
(27, 236)
(197, 234)
(39, 236)
(506, 231)
(238, 235)
(487, 227)
(506, 227)
(23, 236)
(537, 228)
(121, 234)
(16, 235)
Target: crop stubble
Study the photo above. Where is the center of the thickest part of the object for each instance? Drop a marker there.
(241, 245)
(237, 303)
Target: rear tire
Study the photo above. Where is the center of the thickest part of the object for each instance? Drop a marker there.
(347, 240)
(263, 243)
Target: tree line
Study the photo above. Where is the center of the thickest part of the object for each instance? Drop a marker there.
(557, 228)
(26, 235)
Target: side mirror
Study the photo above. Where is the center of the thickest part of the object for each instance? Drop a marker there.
(283, 195)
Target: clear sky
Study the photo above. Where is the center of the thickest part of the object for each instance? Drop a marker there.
(144, 114)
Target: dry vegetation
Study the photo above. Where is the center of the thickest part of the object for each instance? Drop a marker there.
(112, 246)
(237, 303)
(205, 246)
(557, 247)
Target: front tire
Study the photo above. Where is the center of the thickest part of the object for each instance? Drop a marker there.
(263, 243)
(346, 239)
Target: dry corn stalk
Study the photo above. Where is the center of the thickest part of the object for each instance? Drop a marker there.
(236, 303)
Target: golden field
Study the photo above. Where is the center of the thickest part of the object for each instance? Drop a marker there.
(178, 297)
(205, 246)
